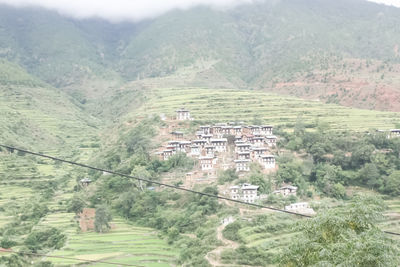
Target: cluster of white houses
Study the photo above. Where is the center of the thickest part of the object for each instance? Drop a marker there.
(251, 144)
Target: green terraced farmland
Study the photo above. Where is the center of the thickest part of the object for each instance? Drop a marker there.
(245, 105)
(123, 244)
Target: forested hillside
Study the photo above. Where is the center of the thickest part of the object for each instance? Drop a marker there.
(333, 50)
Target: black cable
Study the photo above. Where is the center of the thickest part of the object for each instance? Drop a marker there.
(149, 181)
(67, 258)
(162, 184)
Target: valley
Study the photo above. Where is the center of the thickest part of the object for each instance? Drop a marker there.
(309, 91)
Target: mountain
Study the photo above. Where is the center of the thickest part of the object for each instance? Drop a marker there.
(38, 116)
(344, 51)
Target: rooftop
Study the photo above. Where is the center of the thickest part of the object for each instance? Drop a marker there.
(206, 157)
(219, 140)
(242, 160)
(267, 156)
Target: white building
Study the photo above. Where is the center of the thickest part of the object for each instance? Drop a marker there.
(266, 130)
(242, 147)
(249, 193)
(257, 152)
(235, 192)
(200, 143)
(237, 130)
(206, 129)
(220, 144)
(195, 150)
(287, 190)
(267, 161)
(166, 154)
(207, 163)
(242, 165)
(206, 137)
(184, 146)
(246, 193)
(395, 133)
(300, 207)
(243, 155)
(271, 140)
(210, 150)
(173, 144)
(257, 141)
(183, 115)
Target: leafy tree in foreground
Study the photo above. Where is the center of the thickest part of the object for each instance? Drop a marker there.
(102, 218)
(345, 236)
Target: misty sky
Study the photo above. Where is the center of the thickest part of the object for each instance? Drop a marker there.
(118, 10)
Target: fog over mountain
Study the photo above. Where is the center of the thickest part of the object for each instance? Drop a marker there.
(121, 10)
(126, 10)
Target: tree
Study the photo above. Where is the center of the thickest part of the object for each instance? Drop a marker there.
(102, 218)
(45, 238)
(392, 184)
(344, 236)
(76, 204)
(362, 154)
(228, 175)
(369, 175)
(265, 184)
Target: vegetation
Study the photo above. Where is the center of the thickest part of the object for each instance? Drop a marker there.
(102, 219)
(347, 236)
(341, 159)
(70, 90)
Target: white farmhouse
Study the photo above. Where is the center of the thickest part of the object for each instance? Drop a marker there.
(183, 115)
(267, 161)
(287, 190)
(219, 144)
(207, 163)
(246, 193)
(300, 207)
(242, 165)
(271, 140)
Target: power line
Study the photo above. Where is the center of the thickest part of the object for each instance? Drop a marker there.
(162, 184)
(67, 258)
(153, 182)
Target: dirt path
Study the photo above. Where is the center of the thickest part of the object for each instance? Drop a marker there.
(214, 256)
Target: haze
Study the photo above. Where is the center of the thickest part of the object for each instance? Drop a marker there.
(133, 10)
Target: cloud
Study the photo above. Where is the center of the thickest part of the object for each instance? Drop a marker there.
(387, 2)
(132, 10)
(118, 10)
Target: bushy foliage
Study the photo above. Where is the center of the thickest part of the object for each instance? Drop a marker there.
(50, 238)
(342, 159)
(227, 176)
(345, 236)
(102, 219)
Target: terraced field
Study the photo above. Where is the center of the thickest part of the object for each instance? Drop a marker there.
(244, 105)
(393, 217)
(123, 244)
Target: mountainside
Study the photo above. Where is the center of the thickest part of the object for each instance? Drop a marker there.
(35, 115)
(298, 47)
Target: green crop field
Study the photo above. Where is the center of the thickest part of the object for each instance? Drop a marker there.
(246, 105)
(123, 244)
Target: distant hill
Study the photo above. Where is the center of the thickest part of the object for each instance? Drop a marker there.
(343, 51)
(37, 116)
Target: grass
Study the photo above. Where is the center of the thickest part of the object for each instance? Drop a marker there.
(123, 244)
(245, 105)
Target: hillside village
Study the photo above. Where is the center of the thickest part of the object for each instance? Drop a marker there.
(224, 146)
